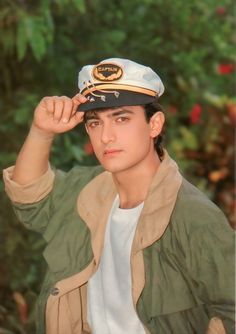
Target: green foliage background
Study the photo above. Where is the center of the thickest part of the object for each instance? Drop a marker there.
(44, 43)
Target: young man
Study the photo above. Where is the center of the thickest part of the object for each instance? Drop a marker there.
(135, 248)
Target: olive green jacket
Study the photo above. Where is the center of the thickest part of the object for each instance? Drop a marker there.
(182, 257)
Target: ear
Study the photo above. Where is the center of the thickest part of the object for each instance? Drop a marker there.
(156, 124)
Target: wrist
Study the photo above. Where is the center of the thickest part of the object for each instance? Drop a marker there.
(36, 132)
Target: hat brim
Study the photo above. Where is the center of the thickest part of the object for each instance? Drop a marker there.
(101, 100)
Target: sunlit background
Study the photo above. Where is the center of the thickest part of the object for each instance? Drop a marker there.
(190, 44)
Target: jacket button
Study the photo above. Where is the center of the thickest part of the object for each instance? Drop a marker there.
(54, 291)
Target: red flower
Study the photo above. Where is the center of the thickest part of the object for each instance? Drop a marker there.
(88, 148)
(220, 10)
(225, 68)
(195, 113)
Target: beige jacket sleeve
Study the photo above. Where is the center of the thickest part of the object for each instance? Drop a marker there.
(29, 193)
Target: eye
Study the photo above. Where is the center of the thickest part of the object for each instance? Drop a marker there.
(122, 119)
(92, 124)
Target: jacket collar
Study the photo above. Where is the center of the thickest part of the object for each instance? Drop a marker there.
(95, 201)
(159, 204)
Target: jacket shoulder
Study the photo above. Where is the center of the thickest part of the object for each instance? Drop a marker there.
(77, 174)
(75, 179)
(194, 209)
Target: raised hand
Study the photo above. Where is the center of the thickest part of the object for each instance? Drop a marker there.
(58, 114)
(53, 115)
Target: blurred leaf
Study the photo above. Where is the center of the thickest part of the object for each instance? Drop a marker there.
(218, 101)
(35, 32)
(77, 152)
(80, 5)
(21, 41)
(189, 139)
(8, 40)
(183, 85)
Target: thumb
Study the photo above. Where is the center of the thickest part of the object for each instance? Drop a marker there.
(77, 100)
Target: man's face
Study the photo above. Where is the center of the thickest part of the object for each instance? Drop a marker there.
(121, 137)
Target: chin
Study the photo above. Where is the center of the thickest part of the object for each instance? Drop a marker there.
(115, 168)
(112, 169)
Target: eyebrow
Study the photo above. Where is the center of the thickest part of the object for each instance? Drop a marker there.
(114, 113)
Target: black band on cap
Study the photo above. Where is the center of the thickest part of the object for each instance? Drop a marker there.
(118, 98)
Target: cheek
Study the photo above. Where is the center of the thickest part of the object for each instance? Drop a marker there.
(139, 134)
(93, 136)
(96, 144)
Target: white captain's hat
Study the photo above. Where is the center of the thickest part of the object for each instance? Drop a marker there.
(116, 82)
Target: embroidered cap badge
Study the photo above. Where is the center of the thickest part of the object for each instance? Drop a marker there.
(107, 72)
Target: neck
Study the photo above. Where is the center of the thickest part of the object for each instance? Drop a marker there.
(133, 184)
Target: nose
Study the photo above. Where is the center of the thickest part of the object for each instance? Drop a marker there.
(108, 133)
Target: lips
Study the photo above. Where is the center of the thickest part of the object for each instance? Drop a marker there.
(111, 151)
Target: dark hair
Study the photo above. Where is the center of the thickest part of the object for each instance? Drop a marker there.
(150, 109)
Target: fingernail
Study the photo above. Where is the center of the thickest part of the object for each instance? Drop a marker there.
(65, 120)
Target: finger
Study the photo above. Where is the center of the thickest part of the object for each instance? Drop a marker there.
(58, 109)
(80, 116)
(79, 98)
(67, 110)
(49, 104)
(76, 119)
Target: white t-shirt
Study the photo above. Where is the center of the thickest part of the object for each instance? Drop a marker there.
(110, 305)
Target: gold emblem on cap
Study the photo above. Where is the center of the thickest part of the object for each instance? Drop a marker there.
(107, 72)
